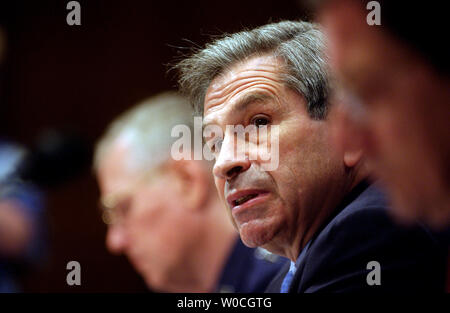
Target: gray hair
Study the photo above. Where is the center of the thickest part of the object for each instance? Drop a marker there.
(146, 129)
(299, 44)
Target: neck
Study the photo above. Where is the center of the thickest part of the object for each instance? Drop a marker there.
(306, 231)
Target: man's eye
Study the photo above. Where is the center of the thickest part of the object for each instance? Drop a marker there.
(260, 120)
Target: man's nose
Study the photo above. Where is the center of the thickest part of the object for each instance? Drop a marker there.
(230, 163)
(116, 238)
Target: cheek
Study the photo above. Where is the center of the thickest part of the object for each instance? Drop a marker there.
(143, 223)
(150, 215)
(158, 230)
(290, 160)
(302, 147)
(308, 162)
(290, 140)
(288, 196)
(220, 187)
(286, 177)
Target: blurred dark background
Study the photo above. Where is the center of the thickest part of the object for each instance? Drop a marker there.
(81, 77)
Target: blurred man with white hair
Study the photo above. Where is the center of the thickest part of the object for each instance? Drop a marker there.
(164, 214)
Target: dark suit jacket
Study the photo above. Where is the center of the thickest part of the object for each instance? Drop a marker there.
(248, 270)
(360, 230)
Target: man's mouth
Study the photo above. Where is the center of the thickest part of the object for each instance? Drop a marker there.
(244, 199)
(240, 197)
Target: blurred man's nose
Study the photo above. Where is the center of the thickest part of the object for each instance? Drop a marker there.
(230, 163)
(116, 238)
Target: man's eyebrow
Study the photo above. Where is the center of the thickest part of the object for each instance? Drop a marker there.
(242, 104)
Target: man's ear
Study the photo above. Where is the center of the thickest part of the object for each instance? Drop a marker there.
(352, 156)
(194, 182)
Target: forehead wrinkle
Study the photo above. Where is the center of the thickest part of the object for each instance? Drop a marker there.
(244, 75)
(224, 81)
(249, 99)
(223, 94)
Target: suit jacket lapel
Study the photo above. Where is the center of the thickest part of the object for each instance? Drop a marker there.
(300, 264)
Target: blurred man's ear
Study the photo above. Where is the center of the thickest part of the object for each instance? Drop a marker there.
(194, 182)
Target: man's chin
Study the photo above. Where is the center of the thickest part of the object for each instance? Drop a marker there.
(254, 234)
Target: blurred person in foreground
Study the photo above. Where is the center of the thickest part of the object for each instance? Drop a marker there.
(396, 97)
(165, 215)
(317, 207)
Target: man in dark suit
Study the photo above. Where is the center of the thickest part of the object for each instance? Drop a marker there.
(292, 193)
(360, 231)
